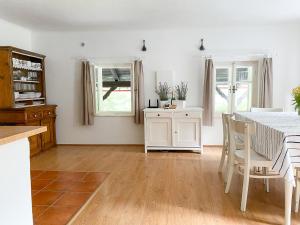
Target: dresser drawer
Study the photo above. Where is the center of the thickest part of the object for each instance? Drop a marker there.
(187, 115)
(49, 113)
(34, 115)
(159, 114)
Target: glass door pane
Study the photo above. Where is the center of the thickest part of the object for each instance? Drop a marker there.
(222, 98)
(243, 88)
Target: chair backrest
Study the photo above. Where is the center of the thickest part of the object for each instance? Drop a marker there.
(244, 130)
(253, 109)
(225, 123)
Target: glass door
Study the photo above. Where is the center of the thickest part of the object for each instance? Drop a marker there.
(223, 85)
(235, 86)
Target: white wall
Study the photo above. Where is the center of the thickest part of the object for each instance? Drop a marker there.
(167, 49)
(14, 35)
(15, 195)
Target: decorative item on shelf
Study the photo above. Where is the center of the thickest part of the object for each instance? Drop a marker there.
(169, 106)
(27, 65)
(163, 92)
(202, 48)
(296, 100)
(150, 106)
(144, 46)
(181, 92)
(17, 94)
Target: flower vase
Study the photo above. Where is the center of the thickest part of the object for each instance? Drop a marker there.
(180, 104)
(163, 103)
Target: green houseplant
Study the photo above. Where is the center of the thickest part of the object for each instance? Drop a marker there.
(296, 100)
(181, 93)
(163, 91)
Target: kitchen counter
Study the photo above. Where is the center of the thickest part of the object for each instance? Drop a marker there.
(15, 188)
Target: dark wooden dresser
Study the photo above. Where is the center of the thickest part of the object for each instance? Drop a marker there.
(23, 95)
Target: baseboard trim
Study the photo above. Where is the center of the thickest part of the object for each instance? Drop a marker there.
(216, 146)
(91, 145)
(213, 146)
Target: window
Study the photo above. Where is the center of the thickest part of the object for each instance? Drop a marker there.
(114, 90)
(236, 88)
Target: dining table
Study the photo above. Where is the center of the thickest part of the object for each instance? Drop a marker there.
(277, 138)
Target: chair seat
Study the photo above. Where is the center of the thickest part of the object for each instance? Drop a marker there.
(256, 159)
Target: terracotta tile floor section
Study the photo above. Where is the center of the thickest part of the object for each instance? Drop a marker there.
(58, 195)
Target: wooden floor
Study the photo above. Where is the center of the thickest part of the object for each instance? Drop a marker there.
(163, 188)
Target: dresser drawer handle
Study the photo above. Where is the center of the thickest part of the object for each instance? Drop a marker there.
(186, 114)
(158, 114)
(49, 113)
(34, 115)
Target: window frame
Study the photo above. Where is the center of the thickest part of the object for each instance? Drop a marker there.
(115, 113)
(232, 65)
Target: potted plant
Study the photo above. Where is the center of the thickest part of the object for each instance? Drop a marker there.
(181, 93)
(296, 100)
(163, 91)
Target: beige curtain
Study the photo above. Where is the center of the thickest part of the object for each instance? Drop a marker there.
(208, 93)
(139, 102)
(266, 84)
(88, 93)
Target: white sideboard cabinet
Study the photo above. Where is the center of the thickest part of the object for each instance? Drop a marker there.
(173, 129)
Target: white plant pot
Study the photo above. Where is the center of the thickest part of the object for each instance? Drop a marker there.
(162, 103)
(180, 104)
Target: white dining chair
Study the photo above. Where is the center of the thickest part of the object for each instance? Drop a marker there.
(225, 147)
(243, 161)
(253, 109)
(297, 190)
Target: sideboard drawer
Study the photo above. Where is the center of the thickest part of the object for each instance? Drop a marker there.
(187, 115)
(34, 115)
(159, 114)
(49, 113)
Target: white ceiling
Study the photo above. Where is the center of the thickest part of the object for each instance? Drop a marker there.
(138, 14)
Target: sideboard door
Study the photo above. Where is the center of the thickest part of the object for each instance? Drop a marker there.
(186, 132)
(159, 132)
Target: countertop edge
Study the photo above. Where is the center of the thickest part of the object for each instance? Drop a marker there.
(20, 134)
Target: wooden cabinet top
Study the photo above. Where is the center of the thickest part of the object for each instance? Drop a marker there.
(13, 133)
(22, 51)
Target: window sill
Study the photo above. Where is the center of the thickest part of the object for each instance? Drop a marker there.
(114, 115)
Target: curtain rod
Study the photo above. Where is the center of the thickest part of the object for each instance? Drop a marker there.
(237, 55)
(108, 58)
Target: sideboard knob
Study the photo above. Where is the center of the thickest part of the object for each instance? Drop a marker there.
(186, 114)
(158, 114)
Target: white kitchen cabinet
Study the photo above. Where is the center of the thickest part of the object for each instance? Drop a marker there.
(173, 129)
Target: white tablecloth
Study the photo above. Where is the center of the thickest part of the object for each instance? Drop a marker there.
(277, 138)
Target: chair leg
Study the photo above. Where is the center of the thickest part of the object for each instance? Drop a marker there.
(288, 202)
(245, 189)
(222, 160)
(267, 185)
(266, 180)
(229, 161)
(297, 193)
(229, 177)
